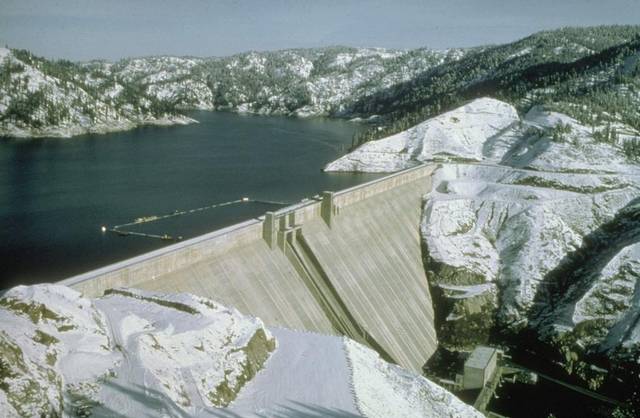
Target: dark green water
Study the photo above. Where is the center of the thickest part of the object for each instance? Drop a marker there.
(56, 193)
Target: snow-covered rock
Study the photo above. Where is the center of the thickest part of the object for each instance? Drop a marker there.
(613, 299)
(511, 222)
(136, 354)
(129, 350)
(534, 225)
(386, 390)
(460, 134)
(509, 230)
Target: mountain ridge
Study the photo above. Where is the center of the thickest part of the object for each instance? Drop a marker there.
(312, 82)
(403, 87)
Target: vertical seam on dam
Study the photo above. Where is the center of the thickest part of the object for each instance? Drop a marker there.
(350, 326)
(313, 287)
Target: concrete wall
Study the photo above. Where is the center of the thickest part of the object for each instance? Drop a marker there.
(349, 264)
(365, 191)
(131, 272)
(254, 279)
(480, 367)
(371, 254)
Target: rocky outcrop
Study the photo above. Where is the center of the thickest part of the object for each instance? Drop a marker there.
(132, 353)
(612, 302)
(495, 231)
(590, 307)
(65, 354)
(512, 224)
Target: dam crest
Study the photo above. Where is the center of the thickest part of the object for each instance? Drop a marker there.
(343, 263)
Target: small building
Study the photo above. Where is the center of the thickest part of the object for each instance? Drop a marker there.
(480, 367)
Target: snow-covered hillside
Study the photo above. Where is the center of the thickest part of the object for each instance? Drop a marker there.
(39, 97)
(575, 70)
(459, 134)
(140, 354)
(532, 222)
(585, 72)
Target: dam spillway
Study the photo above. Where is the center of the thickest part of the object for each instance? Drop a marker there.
(346, 263)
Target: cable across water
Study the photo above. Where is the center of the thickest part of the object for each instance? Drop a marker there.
(117, 229)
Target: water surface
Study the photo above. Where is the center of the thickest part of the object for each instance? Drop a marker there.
(55, 194)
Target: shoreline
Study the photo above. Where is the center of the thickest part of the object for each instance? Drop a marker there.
(65, 132)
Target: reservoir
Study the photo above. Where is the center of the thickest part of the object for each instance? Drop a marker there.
(56, 194)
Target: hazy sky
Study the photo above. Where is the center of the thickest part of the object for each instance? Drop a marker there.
(84, 29)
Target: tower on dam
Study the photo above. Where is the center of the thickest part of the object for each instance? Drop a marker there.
(346, 263)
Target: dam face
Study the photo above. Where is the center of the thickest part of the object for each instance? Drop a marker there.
(348, 263)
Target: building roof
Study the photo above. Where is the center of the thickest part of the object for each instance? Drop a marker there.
(480, 357)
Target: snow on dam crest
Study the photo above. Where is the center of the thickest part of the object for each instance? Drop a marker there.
(348, 263)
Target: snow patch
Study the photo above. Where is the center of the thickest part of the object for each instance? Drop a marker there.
(457, 135)
(385, 390)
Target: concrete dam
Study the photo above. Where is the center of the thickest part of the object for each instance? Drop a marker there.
(345, 263)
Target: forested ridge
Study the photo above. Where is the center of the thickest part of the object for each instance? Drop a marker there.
(589, 73)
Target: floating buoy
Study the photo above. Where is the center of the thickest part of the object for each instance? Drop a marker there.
(166, 237)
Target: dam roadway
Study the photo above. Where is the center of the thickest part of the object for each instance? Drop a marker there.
(345, 263)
